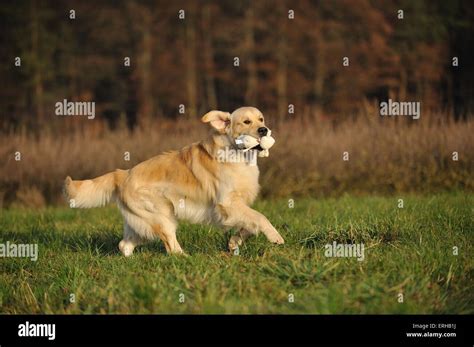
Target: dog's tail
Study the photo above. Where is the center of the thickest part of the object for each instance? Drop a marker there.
(95, 192)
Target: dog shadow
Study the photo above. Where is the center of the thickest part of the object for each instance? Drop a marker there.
(101, 243)
(104, 244)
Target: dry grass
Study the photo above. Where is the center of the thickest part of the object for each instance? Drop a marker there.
(385, 156)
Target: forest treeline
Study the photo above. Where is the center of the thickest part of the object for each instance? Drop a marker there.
(141, 60)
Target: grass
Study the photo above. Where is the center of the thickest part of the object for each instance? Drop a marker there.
(408, 251)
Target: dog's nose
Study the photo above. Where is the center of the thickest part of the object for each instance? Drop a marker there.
(262, 131)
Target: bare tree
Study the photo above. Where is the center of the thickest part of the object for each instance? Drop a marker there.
(249, 48)
(35, 58)
(209, 56)
(191, 70)
(282, 58)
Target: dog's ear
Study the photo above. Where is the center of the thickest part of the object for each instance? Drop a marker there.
(219, 120)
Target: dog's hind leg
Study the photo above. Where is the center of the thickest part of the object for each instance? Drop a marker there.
(151, 218)
(130, 240)
(237, 240)
(166, 230)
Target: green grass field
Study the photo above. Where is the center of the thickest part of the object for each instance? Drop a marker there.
(408, 251)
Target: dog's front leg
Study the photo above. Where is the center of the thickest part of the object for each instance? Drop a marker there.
(238, 214)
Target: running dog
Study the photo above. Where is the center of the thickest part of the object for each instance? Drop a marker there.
(190, 184)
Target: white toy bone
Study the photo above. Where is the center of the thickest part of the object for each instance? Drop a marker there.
(247, 142)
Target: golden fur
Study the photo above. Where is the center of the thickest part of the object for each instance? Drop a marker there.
(187, 184)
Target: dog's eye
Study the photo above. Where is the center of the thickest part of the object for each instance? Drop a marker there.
(261, 119)
(247, 121)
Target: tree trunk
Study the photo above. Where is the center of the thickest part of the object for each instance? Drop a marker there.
(252, 80)
(191, 72)
(209, 57)
(319, 76)
(402, 94)
(281, 54)
(35, 57)
(144, 67)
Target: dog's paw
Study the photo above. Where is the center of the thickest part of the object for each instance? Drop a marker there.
(277, 239)
(234, 243)
(126, 248)
(180, 253)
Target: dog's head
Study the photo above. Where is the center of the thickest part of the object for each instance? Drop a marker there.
(243, 121)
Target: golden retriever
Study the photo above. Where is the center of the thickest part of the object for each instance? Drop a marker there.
(190, 184)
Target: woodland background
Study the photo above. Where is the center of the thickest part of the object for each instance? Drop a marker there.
(283, 61)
